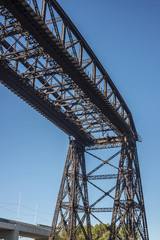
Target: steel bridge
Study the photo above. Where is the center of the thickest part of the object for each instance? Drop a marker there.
(46, 62)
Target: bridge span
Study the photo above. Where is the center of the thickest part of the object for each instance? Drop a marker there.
(11, 230)
(46, 62)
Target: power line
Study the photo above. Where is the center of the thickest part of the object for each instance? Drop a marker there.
(8, 210)
(23, 206)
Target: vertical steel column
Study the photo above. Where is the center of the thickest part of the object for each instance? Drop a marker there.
(73, 191)
(63, 33)
(71, 234)
(80, 54)
(86, 201)
(117, 195)
(43, 12)
(53, 231)
(94, 72)
(128, 214)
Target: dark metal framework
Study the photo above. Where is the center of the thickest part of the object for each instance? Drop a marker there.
(45, 61)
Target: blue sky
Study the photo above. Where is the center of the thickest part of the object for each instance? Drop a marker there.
(125, 36)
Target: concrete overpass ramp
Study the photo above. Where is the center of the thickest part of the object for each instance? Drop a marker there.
(11, 230)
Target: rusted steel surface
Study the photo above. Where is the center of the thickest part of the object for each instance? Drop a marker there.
(46, 62)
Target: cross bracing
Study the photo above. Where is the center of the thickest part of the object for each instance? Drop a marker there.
(42, 48)
(46, 62)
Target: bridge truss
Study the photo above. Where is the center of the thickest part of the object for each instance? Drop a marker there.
(46, 62)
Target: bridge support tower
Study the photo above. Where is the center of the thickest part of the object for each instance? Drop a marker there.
(47, 63)
(73, 210)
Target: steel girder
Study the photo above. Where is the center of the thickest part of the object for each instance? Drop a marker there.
(45, 61)
(47, 51)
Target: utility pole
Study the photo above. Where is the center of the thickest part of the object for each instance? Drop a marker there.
(35, 215)
(19, 204)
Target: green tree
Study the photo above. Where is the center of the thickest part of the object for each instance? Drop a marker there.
(99, 231)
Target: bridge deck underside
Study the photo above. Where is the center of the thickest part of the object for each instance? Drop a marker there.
(46, 62)
(73, 99)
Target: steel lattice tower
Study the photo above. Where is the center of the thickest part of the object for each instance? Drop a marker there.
(46, 62)
(128, 208)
